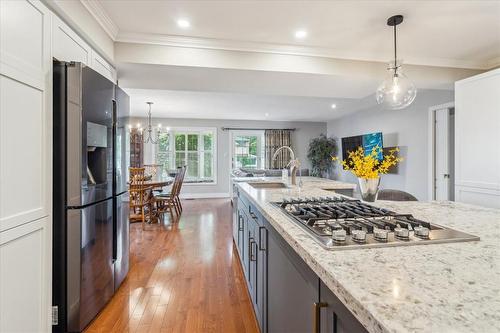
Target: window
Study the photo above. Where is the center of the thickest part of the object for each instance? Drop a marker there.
(248, 150)
(192, 147)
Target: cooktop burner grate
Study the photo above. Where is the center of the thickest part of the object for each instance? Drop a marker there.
(340, 223)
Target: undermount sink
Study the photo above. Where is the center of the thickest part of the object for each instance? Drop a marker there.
(267, 185)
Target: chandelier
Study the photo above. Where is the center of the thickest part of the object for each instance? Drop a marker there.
(150, 135)
(397, 91)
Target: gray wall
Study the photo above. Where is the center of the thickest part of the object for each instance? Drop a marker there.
(304, 132)
(406, 128)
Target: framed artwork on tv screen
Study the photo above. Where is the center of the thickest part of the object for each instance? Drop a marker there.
(367, 141)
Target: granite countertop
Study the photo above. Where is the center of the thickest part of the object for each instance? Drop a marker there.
(453, 287)
(323, 183)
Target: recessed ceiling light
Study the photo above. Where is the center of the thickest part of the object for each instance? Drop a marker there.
(183, 23)
(300, 34)
(266, 114)
(334, 106)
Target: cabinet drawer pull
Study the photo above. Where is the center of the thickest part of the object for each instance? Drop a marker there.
(252, 214)
(240, 225)
(250, 241)
(253, 256)
(316, 315)
(261, 239)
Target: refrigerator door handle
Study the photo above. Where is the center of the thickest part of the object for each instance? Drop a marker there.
(114, 112)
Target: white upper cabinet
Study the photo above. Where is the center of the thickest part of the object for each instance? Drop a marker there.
(23, 32)
(68, 46)
(102, 67)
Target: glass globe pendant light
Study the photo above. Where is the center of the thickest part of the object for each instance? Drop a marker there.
(397, 91)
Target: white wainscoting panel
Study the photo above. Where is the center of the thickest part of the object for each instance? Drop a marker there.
(478, 196)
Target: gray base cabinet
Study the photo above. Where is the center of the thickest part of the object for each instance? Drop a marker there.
(292, 290)
(287, 296)
(334, 316)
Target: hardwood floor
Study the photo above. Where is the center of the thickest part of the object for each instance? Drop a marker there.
(183, 277)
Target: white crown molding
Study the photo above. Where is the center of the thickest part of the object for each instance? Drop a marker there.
(246, 46)
(102, 17)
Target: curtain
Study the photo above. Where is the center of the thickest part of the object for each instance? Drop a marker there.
(275, 139)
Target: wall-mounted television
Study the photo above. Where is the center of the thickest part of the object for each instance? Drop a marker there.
(367, 141)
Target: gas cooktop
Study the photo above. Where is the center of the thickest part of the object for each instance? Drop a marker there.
(340, 223)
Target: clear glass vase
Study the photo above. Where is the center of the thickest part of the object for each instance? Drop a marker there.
(369, 188)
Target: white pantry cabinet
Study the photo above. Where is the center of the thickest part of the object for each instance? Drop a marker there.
(25, 166)
(69, 46)
(477, 137)
(23, 278)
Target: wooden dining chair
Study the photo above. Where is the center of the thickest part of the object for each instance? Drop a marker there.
(151, 171)
(170, 202)
(177, 198)
(140, 196)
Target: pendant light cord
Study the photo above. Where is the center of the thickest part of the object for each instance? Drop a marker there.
(395, 51)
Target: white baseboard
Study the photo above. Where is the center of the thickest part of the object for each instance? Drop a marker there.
(203, 195)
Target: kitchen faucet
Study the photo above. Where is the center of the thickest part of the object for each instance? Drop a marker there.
(294, 163)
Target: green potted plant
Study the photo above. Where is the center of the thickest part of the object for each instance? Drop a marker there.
(321, 150)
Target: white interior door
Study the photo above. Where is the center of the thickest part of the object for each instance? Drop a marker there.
(442, 173)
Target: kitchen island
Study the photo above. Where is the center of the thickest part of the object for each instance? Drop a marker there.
(452, 287)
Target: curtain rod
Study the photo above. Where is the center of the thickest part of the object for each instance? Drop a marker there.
(255, 129)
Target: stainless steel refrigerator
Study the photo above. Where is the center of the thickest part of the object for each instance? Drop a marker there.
(90, 225)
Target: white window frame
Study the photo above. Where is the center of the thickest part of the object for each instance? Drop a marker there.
(260, 146)
(192, 130)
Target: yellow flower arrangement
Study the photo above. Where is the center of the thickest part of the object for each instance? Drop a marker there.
(368, 166)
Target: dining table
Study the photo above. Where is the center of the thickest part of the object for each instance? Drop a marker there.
(157, 183)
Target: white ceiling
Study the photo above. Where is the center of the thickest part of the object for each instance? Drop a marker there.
(147, 76)
(215, 93)
(213, 105)
(442, 33)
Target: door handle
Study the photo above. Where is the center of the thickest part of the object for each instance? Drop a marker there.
(316, 314)
(261, 239)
